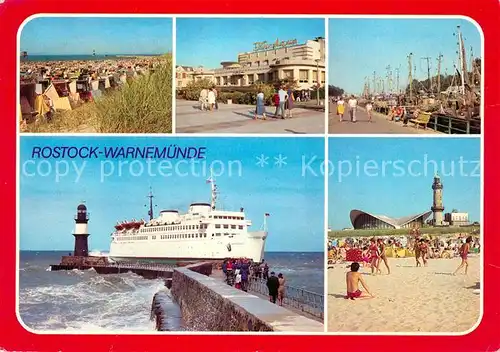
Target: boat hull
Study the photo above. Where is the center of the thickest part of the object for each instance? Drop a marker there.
(250, 245)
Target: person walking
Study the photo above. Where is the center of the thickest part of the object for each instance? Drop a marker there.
(211, 99)
(289, 103)
(282, 98)
(340, 108)
(260, 108)
(353, 104)
(281, 289)
(272, 286)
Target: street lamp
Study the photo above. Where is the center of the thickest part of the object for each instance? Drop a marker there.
(317, 81)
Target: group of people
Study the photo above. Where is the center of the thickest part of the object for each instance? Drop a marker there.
(373, 254)
(283, 101)
(208, 99)
(238, 272)
(352, 105)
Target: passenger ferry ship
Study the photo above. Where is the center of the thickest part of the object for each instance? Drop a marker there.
(203, 233)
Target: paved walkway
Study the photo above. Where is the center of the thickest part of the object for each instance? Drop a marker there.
(379, 124)
(237, 118)
(219, 275)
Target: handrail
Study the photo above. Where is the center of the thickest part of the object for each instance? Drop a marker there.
(306, 301)
(465, 126)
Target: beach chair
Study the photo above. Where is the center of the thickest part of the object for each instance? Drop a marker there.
(422, 119)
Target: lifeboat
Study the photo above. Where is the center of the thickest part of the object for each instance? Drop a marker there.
(127, 225)
(136, 224)
(118, 227)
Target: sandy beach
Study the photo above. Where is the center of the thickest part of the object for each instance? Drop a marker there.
(410, 299)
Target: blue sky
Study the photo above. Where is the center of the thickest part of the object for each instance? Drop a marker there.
(209, 41)
(357, 47)
(405, 186)
(295, 201)
(81, 35)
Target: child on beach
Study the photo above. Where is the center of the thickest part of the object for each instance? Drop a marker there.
(353, 278)
(464, 252)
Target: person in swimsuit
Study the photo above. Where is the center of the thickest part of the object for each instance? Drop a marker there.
(353, 278)
(464, 252)
(383, 257)
(424, 248)
(416, 248)
(374, 255)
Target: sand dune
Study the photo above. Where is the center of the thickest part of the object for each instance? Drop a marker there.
(410, 299)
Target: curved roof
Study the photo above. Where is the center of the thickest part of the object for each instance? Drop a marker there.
(81, 207)
(394, 222)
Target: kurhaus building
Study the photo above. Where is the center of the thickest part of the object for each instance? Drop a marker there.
(267, 63)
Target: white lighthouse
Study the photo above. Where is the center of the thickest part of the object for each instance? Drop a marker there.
(81, 231)
(437, 204)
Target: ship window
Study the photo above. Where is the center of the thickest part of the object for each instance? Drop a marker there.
(226, 226)
(225, 217)
(233, 234)
(226, 234)
(240, 227)
(197, 227)
(217, 234)
(212, 235)
(210, 216)
(233, 226)
(205, 235)
(154, 237)
(217, 226)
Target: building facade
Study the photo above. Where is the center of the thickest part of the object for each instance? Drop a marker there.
(457, 219)
(267, 63)
(186, 74)
(362, 220)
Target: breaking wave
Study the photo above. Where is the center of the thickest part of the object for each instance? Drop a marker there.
(87, 301)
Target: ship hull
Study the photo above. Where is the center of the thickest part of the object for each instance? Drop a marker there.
(250, 245)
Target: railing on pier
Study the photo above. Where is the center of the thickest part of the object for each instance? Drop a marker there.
(305, 301)
(454, 125)
(440, 122)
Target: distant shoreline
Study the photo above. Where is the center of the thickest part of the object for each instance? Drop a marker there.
(48, 58)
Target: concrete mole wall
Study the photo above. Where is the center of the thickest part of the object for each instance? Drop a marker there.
(208, 304)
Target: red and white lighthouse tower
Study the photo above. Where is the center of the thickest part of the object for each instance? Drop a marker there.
(81, 232)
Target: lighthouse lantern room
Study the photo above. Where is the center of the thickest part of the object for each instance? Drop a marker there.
(81, 231)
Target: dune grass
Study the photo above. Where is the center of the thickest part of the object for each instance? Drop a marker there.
(143, 105)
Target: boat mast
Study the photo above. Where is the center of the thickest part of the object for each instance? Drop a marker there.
(463, 63)
(439, 59)
(150, 196)
(213, 187)
(410, 77)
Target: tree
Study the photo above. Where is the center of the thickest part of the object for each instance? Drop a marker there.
(334, 91)
(194, 88)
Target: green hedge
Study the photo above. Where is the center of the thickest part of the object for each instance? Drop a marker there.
(399, 232)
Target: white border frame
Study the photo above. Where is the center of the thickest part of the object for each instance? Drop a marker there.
(325, 135)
